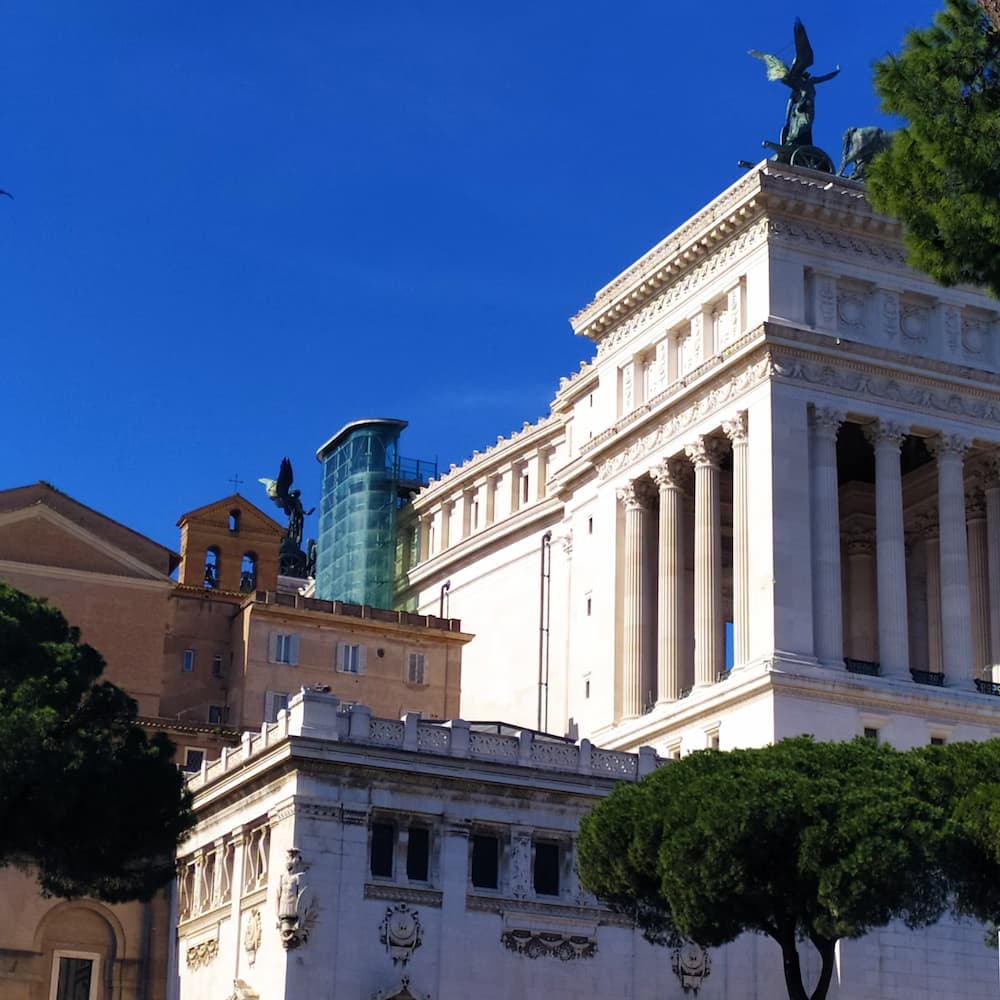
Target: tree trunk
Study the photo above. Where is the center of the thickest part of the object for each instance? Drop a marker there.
(992, 8)
(793, 968)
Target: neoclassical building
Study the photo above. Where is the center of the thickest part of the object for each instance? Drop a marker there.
(769, 504)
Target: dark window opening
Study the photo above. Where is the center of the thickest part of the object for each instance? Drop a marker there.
(383, 842)
(546, 869)
(418, 849)
(871, 733)
(234, 521)
(217, 715)
(937, 741)
(216, 666)
(212, 568)
(248, 572)
(485, 862)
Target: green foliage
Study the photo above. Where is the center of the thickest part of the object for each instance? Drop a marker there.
(941, 175)
(87, 799)
(797, 840)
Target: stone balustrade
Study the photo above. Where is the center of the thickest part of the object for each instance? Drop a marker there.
(319, 715)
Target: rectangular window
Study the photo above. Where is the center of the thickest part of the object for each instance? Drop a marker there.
(590, 606)
(351, 658)
(383, 843)
(418, 853)
(216, 666)
(192, 759)
(475, 515)
(416, 671)
(188, 664)
(524, 488)
(590, 525)
(937, 741)
(546, 869)
(274, 702)
(871, 733)
(217, 715)
(485, 861)
(74, 976)
(284, 648)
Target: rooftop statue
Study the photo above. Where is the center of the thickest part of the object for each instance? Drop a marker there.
(796, 142)
(293, 561)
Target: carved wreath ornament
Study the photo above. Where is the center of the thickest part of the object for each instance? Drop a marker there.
(401, 933)
(692, 965)
(252, 935)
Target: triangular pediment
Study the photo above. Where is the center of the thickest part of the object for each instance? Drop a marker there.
(42, 537)
(217, 513)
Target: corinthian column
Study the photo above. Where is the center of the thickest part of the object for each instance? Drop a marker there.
(956, 618)
(709, 640)
(736, 431)
(635, 653)
(979, 584)
(828, 616)
(862, 640)
(667, 476)
(890, 549)
(928, 523)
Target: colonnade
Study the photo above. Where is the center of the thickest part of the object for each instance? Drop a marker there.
(961, 581)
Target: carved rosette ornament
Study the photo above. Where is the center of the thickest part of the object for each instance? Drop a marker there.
(252, 935)
(691, 964)
(401, 933)
(202, 953)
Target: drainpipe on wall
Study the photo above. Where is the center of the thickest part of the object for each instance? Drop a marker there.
(544, 615)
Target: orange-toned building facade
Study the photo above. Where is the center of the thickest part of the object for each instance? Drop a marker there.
(215, 651)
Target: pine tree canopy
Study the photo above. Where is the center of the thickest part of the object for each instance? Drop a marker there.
(941, 175)
(88, 801)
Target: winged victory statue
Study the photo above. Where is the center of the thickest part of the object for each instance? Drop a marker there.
(293, 561)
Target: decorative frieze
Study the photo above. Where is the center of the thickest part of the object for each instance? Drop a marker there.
(547, 944)
(202, 953)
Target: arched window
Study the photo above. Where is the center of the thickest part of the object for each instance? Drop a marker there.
(234, 521)
(212, 568)
(248, 572)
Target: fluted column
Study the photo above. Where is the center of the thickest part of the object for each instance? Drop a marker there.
(992, 494)
(979, 583)
(709, 640)
(935, 645)
(634, 498)
(890, 549)
(736, 431)
(956, 619)
(670, 617)
(828, 616)
(862, 642)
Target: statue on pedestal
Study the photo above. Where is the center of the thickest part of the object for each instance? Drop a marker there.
(292, 560)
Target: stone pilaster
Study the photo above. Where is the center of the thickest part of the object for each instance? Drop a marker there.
(956, 618)
(992, 497)
(709, 641)
(668, 476)
(979, 583)
(890, 549)
(635, 654)
(862, 636)
(736, 431)
(828, 615)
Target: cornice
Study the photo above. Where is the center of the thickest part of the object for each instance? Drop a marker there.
(488, 461)
(769, 189)
(526, 519)
(84, 576)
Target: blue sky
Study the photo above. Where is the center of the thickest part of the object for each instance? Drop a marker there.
(237, 226)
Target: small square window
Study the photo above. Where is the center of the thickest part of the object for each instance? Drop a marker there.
(188, 662)
(485, 866)
(415, 674)
(351, 658)
(871, 733)
(546, 868)
(217, 715)
(274, 702)
(938, 741)
(192, 759)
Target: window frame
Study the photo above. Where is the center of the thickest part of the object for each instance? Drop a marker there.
(95, 959)
(416, 677)
(560, 857)
(481, 835)
(284, 648)
(186, 766)
(188, 659)
(272, 706)
(352, 658)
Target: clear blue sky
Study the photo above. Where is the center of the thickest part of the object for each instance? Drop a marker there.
(237, 226)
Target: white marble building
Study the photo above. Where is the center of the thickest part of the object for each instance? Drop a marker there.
(786, 436)
(341, 856)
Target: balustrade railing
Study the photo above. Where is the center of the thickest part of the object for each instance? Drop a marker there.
(870, 668)
(933, 677)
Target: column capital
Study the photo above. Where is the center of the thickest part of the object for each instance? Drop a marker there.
(975, 505)
(989, 472)
(736, 428)
(948, 445)
(925, 524)
(825, 420)
(670, 473)
(704, 451)
(859, 542)
(885, 432)
(634, 495)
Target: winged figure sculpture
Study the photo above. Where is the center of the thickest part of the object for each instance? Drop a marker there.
(289, 500)
(801, 110)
